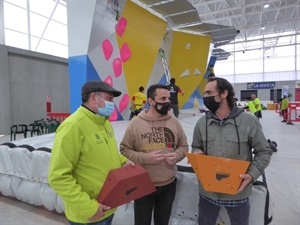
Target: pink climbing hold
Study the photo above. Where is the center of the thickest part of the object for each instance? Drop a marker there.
(109, 80)
(125, 52)
(114, 115)
(117, 66)
(121, 26)
(124, 102)
(107, 49)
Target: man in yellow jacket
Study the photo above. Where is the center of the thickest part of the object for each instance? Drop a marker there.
(257, 106)
(138, 102)
(83, 153)
(284, 108)
(250, 106)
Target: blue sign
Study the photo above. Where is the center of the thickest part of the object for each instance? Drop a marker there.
(261, 85)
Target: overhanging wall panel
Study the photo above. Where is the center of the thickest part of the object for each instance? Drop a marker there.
(188, 61)
(143, 36)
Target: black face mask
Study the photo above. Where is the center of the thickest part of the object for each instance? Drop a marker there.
(211, 104)
(162, 108)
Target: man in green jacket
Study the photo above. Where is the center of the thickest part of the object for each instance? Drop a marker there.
(226, 131)
(83, 153)
(250, 106)
(257, 105)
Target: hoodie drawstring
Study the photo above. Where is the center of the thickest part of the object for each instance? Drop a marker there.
(238, 136)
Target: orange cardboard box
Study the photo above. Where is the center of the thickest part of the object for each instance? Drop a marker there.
(218, 174)
(124, 185)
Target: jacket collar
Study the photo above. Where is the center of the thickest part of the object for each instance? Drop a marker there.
(93, 116)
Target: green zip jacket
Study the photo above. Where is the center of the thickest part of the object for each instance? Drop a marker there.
(252, 107)
(235, 140)
(284, 104)
(83, 153)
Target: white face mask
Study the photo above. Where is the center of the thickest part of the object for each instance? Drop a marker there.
(107, 110)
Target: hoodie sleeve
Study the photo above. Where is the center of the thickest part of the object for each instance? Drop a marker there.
(127, 145)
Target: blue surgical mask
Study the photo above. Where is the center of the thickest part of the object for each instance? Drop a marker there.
(107, 110)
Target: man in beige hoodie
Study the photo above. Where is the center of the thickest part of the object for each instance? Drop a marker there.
(156, 140)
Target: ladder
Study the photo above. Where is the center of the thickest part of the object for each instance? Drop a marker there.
(165, 65)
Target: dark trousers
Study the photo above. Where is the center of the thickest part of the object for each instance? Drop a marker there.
(135, 113)
(258, 114)
(284, 114)
(160, 202)
(175, 109)
(208, 213)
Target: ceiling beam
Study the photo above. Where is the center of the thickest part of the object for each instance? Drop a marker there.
(247, 6)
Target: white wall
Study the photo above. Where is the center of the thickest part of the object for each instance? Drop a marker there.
(26, 79)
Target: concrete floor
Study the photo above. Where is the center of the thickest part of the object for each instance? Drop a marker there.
(283, 176)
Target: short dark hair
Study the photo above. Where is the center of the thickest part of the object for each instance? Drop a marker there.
(172, 80)
(222, 85)
(151, 92)
(141, 88)
(85, 97)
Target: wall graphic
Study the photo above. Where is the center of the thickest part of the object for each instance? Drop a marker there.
(188, 62)
(119, 42)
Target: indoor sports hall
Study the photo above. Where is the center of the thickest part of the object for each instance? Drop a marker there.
(55, 46)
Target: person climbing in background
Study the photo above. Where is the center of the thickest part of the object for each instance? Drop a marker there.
(138, 102)
(284, 108)
(174, 90)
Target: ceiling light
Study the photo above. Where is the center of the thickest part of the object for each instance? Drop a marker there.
(263, 27)
(266, 6)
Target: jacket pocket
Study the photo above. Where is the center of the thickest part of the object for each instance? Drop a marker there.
(209, 144)
(237, 147)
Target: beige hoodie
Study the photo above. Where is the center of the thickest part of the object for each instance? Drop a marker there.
(144, 135)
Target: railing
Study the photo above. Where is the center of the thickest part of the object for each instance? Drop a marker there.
(293, 112)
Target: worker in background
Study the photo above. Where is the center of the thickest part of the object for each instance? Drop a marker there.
(250, 106)
(138, 102)
(174, 90)
(257, 105)
(284, 107)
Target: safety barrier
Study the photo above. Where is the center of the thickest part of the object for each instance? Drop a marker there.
(278, 110)
(293, 112)
(59, 117)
